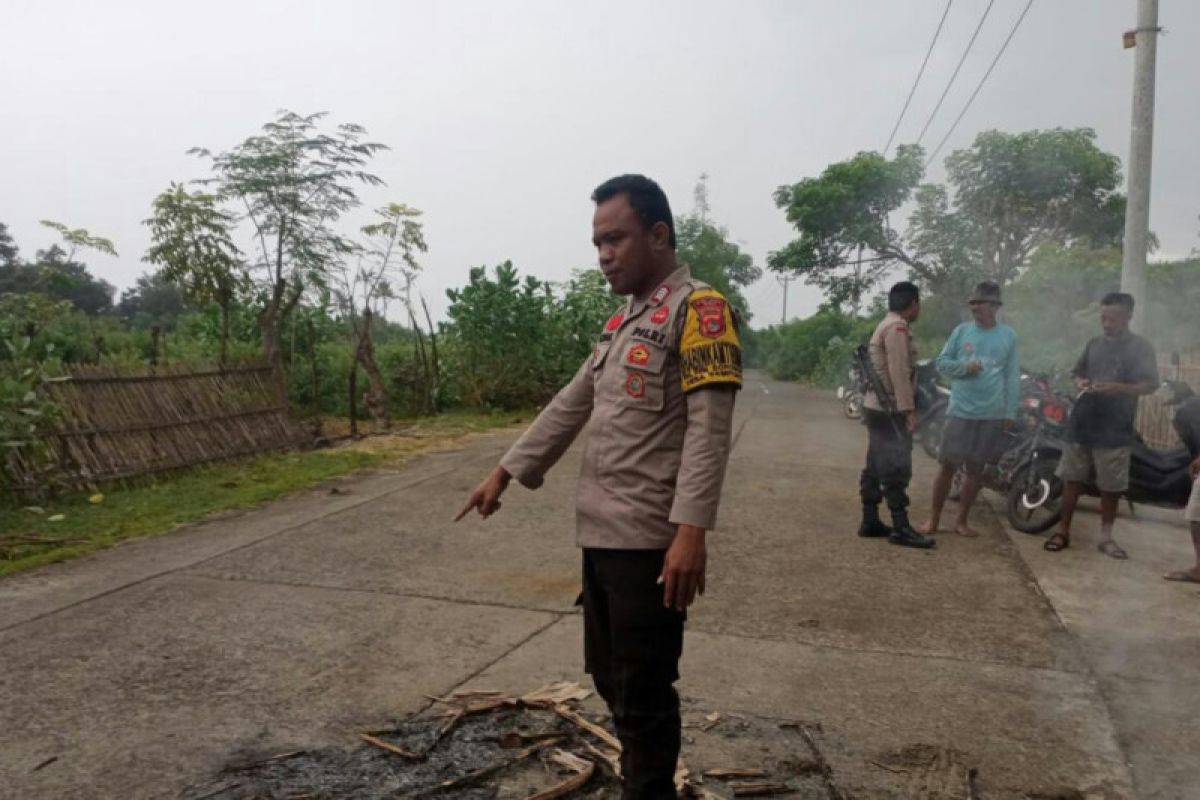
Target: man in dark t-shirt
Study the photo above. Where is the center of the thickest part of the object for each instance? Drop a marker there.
(1114, 370)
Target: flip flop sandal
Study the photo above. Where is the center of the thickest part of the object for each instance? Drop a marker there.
(1056, 543)
(1181, 577)
(1113, 550)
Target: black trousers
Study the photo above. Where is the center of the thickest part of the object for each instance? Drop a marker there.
(632, 646)
(889, 460)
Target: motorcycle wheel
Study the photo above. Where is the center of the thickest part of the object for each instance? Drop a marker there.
(1034, 499)
(853, 405)
(931, 435)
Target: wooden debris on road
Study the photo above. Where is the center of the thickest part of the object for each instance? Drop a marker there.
(763, 789)
(734, 772)
(391, 748)
(583, 769)
(556, 694)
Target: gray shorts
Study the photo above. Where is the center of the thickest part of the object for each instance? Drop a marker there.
(1107, 466)
(972, 441)
(1192, 514)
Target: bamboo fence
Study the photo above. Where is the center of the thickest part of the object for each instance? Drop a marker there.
(1154, 416)
(119, 424)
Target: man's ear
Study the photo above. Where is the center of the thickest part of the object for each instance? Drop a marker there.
(660, 235)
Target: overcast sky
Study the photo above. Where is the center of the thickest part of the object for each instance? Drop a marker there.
(502, 116)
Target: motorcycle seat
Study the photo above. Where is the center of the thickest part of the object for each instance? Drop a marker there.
(1163, 461)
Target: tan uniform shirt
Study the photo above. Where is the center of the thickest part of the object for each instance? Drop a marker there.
(660, 390)
(894, 356)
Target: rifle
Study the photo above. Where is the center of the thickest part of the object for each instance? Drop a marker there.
(862, 357)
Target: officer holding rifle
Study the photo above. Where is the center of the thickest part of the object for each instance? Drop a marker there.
(890, 415)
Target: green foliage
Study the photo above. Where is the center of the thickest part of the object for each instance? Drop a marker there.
(80, 239)
(842, 213)
(1014, 192)
(9, 252)
(498, 339)
(817, 349)
(54, 274)
(153, 300)
(1005, 196)
(26, 414)
(587, 303)
(294, 181)
(714, 259)
(193, 246)
(512, 343)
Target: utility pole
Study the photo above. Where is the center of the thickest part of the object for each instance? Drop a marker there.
(1141, 143)
(784, 280)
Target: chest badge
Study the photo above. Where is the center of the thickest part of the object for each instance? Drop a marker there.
(635, 385)
(660, 295)
(639, 354)
(661, 315)
(615, 322)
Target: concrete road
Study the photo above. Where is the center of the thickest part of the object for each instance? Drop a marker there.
(144, 668)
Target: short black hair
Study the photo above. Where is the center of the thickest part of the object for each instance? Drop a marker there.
(646, 198)
(903, 296)
(1122, 299)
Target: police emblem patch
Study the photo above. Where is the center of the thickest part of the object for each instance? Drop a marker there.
(710, 313)
(710, 351)
(639, 354)
(661, 315)
(635, 385)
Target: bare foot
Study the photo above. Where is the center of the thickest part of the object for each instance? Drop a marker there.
(929, 528)
(1184, 575)
(963, 529)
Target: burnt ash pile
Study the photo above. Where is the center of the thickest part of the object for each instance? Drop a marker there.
(492, 746)
(470, 746)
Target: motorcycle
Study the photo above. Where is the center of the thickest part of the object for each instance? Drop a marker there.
(933, 398)
(1034, 497)
(1042, 420)
(851, 395)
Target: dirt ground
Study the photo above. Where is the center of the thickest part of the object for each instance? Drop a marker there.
(148, 669)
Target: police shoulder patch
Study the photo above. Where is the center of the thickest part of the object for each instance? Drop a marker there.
(710, 350)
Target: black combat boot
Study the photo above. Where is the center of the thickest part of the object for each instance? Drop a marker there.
(904, 535)
(872, 526)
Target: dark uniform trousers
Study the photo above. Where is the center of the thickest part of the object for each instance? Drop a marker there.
(632, 645)
(889, 460)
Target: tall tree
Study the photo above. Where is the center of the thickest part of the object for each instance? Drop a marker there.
(55, 274)
(152, 300)
(69, 279)
(1005, 195)
(388, 258)
(293, 182)
(842, 215)
(1013, 192)
(711, 255)
(193, 246)
(9, 254)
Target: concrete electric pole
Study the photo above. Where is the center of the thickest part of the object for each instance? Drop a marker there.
(1141, 143)
(784, 280)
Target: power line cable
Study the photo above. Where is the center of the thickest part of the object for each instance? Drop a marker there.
(982, 81)
(954, 76)
(920, 72)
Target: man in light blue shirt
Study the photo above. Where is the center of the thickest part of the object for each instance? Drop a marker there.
(985, 393)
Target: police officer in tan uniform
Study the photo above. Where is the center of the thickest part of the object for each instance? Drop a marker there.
(891, 422)
(660, 389)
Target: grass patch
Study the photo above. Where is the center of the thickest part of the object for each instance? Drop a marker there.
(72, 525)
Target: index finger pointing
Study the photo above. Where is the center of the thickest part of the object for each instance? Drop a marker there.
(472, 503)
